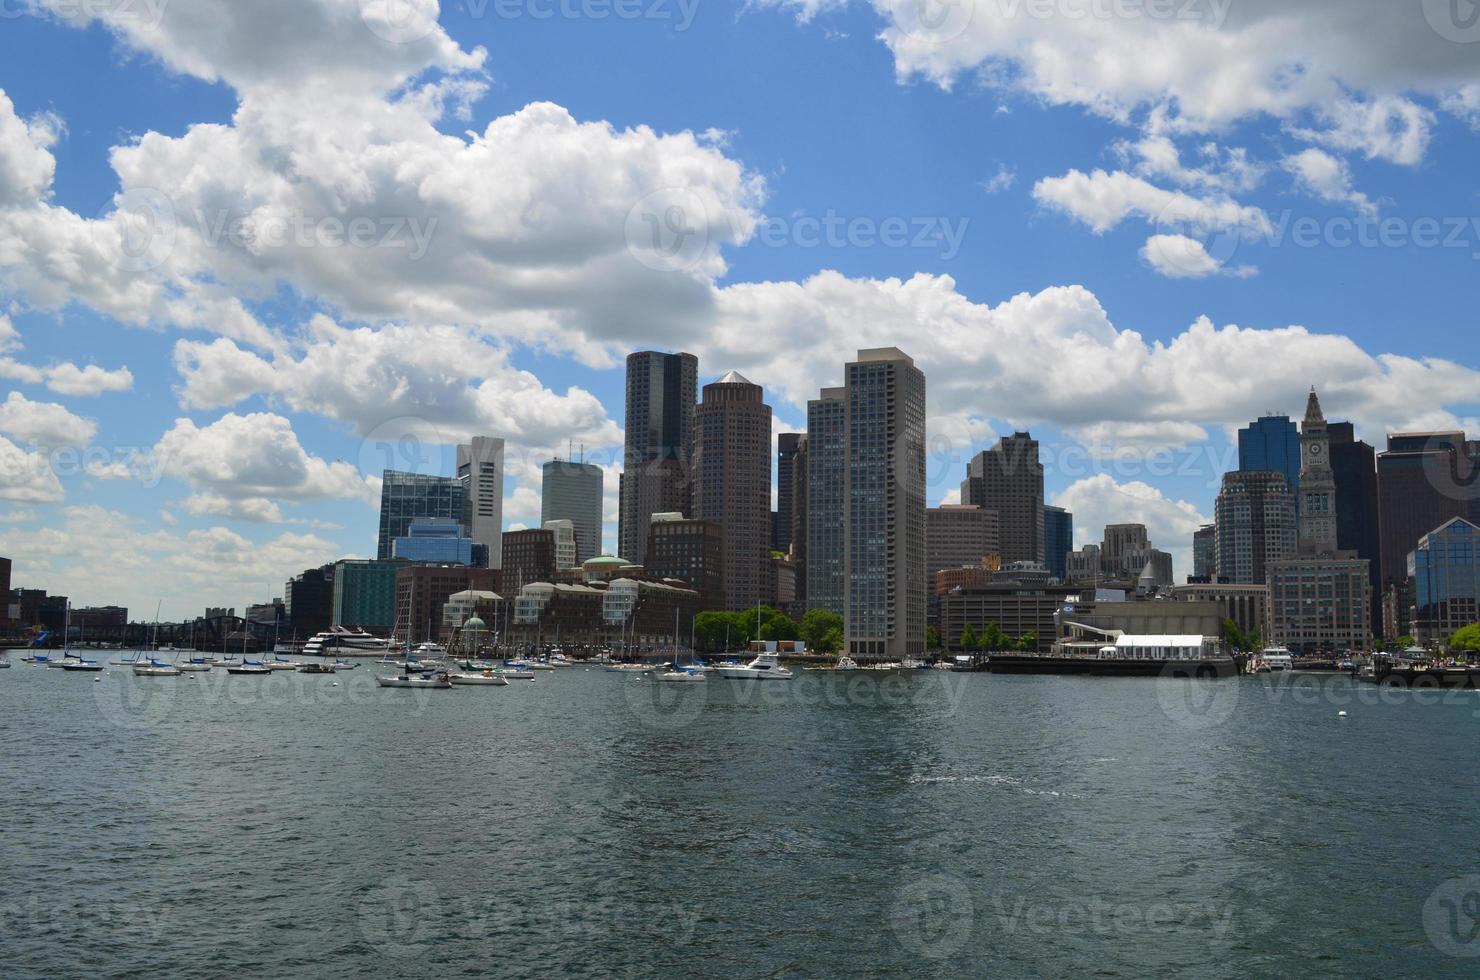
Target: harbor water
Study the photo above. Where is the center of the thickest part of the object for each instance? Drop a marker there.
(594, 824)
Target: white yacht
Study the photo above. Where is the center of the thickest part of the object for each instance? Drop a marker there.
(489, 678)
(766, 666)
(155, 668)
(675, 674)
(1277, 659)
(437, 680)
(346, 643)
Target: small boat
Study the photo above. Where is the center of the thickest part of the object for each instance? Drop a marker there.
(845, 665)
(490, 678)
(279, 663)
(674, 674)
(82, 664)
(344, 665)
(156, 668)
(765, 667)
(316, 668)
(436, 680)
(515, 671)
(196, 665)
(254, 668)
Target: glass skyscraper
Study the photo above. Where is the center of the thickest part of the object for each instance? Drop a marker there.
(445, 542)
(572, 491)
(1445, 569)
(405, 497)
(1271, 443)
(1058, 541)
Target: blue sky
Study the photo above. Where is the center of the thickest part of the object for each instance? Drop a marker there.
(1124, 232)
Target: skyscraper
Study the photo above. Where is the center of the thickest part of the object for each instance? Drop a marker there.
(1354, 466)
(1420, 486)
(1445, 568)
(958, 535)
(787, 446)
(572, 491)
(1205, 552)
(799, 479)
(1317, 484)
(732, 482)
(1256, 521)
(884, 491)
(480, 470)
(827, 456)
(661, 391)
(1058, 541)
(1271, 443)
(1123, 549)
(404, 497)
(1009, 479)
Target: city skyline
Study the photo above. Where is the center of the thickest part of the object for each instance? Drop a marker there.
(219, 415)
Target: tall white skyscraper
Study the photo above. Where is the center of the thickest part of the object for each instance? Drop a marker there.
(884, 507)
(480, 470)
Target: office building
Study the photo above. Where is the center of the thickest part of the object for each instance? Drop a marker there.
(1445, 570)
(1422, 484)
(958, 535)
(1256, 524)
(365, 595)
(99, 617)
(884, 491)
(1247, 606)
(688, 551)
(1358, 530)
(528, 556)
(1008, 478)
(661, 391)
(1016, 608)
(1317, 487)
(572, 491)
(423, 590)
(437, 540)
(827, 456)
(1319, 604)
(788, 445)
(308, 601)
(1205, 553)
(1123, 550)
(7, 619)
(405, 497)
(732, 482)
(1271, 443)
(799, 478)
(1084, 566)
(480, 471)
(565, 543)
(1058, 541)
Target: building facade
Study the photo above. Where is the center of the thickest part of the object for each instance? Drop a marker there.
(365, 595)
(565, 542)
(1445, 570)
(1320, 605)
(827, 454)
(480, 471)
(689, 551)
(732, 482)
(571, 491)
(788, 445)
(529, 556)
(1256, 524)
(1246, 605)
(1008, 478)
(1058, 541)
(438, 540)
(1271, 443)
(659, 448)
(423, 590)
(1205, 552)
(1017, 609)
(799, 478)
(1354, 467)
(958, 535)
(1317, 521)
(308, 601)
(405, 497)
(884, 492)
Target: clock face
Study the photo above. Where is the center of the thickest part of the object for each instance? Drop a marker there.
(1315, 449)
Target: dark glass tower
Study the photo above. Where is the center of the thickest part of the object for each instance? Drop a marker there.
(661, 391)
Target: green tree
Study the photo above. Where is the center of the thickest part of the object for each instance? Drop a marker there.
(816, 624)
(1466, 639)
(992, 638)
(780, 627)
(932, 638)
(709, 630)
(1028, 641)
(1238, 639)
(969, 638)
(832, 642)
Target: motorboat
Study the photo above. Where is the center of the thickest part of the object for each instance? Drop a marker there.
(489, 678)
(344, 665)
(845, 665)
(675, 674)
(1277, 659)
(156, 668)
(83, 664)
(346, 642)
(435, 680)
(316, 668)
(516, 671)
(766, 666)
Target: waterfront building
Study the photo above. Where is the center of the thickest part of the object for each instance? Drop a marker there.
(1256, 524)
(1084, 565)
(423, 590)
(405, 497)
(781, 586)
(1205, 552)
(732, 482)
(1271, 443)
(1015, 607)
(480, 471)
(826, 463)
(572, 491)
(1008, 478)
(884, 490)
(631, 616)
(438, 540)
(1081, 616)
(565, 542)
(1058, 540)
(661, 391)
(308, 601)
(474, 603)
(964, 577)
(7, 617)
(788, 446)
(1354, 467)
(365, 595)
(1317, 486)
(1445, 570)
(1319, 604)
(529, 556)
(1246, 605)
(689, 551)
(99, 617)
(799, 479)
(957, 535)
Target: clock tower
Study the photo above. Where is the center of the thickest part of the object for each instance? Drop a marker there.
(1317, 484)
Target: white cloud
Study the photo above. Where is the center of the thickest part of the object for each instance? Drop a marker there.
(26, 166)
(1099, 500)
(1001, 181)
(1328, 178)
(1180, 257)
(27, 477)
(46, 424)
(240, 457)
(1387, 128)
(69, 379)
(1103, 200)
(258, 509)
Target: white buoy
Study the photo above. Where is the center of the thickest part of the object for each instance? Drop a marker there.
(335, 684)
(1341, 714)
(97, 680)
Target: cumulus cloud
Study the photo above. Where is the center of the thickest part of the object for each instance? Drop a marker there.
(69, 379)
(27, 476)
(1099, 500)
(1180, 257)
(46, 424)
(1328, 178)
(1103, 200)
